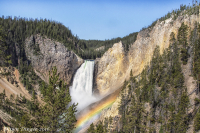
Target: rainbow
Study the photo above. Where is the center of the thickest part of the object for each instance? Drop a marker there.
(94, 113)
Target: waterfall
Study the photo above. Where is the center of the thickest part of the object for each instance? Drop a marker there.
(81, 90)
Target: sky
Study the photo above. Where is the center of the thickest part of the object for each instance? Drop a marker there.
(94, 19)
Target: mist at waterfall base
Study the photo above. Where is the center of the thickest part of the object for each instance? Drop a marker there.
(81, 93)
(81, 89)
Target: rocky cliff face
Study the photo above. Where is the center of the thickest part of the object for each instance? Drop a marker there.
(115, 66)
(45, 53)
(111, 69)
(141, 51)
(139, 55)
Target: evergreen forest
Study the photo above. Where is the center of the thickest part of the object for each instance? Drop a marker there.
(155, 98)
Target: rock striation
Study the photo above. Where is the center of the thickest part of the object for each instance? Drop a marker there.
(45, 53)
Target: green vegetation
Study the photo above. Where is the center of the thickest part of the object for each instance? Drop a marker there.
(99, 128)
(14, 31)
(18, 29)
(158, 94)
(197, 121)
(52, 116)
(192, 9)
(92, 45)
(29, 77)
(5, 56)
(91, 129)
(163, 76)
(182, 39)
(196, 58)
(54, 113)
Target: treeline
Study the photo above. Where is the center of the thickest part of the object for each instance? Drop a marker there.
(17, 29)
(5, 54)
(183, 10)
(92, 45)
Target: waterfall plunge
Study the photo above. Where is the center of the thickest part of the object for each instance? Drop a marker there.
(81, 90)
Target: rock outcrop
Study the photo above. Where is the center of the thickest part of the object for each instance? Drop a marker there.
(114, 66)
(111, 69)
(45, 53)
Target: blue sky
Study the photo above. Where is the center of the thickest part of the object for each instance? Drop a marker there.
(92, 19)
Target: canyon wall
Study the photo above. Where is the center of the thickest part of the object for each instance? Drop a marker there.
(45, 53)
(115, 65)
(140, 55)
(111, 69)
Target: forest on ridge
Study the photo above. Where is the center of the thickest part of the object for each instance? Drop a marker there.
(160, 87)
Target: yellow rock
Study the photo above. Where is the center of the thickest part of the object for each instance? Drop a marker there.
(115, 66)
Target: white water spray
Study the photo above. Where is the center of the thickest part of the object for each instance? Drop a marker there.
(81, 90)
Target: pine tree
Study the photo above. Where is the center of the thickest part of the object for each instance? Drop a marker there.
(182, 39)
(99, 128)
(91, 129)
(55, 115)
(4, 56)
(131, 74)
(182, 35)
(135, 121)
(34, 103)
(23, 123)
(106, 124)
(197, 121)
(181, 118)
(4, 95)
